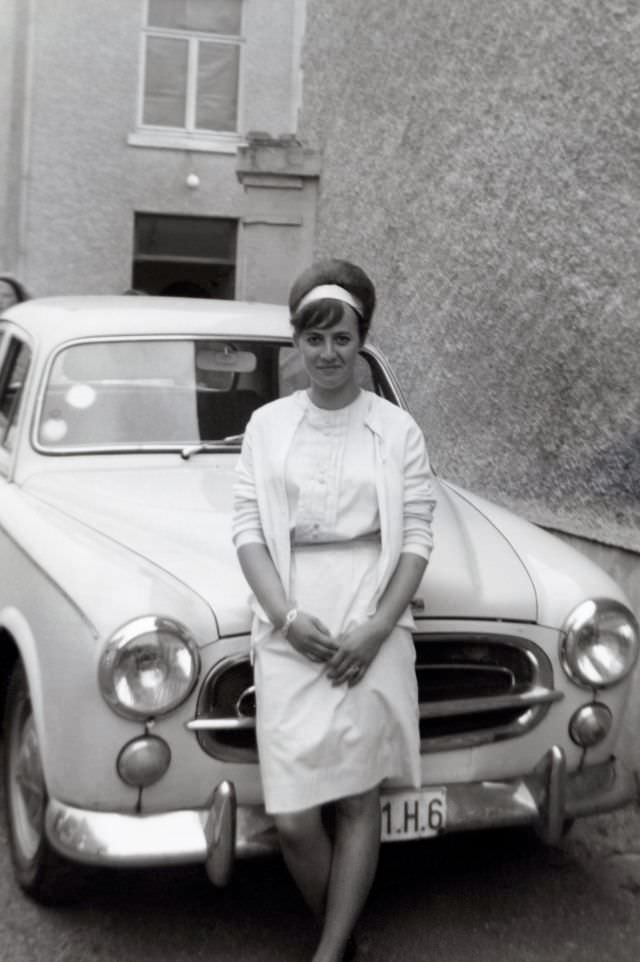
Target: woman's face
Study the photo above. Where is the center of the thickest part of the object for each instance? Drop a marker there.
(329, 354)
(7, 296)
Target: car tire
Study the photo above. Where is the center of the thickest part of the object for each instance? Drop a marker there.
(39, 870)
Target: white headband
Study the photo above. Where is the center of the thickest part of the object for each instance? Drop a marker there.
(333, 291)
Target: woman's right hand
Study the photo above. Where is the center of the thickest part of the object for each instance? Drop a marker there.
(308, 636)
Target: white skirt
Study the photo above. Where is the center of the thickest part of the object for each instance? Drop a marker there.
(317, 742)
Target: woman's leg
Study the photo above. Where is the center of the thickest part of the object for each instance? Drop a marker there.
(307, 852)
(353, 866)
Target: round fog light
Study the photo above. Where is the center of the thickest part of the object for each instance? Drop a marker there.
(143, 761)
(590, 724)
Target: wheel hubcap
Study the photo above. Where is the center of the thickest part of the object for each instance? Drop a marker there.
(28, 793)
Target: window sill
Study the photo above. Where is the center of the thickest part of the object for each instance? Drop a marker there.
(176, 140)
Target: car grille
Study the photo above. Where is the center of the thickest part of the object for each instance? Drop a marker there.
(472, 688)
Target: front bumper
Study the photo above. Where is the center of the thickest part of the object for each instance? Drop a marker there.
(226, 830)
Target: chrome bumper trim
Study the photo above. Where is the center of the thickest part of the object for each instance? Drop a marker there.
(220, 834)
(168, 838)
(552, 772)
(225, 830)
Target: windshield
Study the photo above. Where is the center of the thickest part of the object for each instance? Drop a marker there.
(166, 393)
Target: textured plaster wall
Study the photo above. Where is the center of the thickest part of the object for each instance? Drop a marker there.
(270, 64)
(482, 159)
(12, 91)
(80, 190)
(7, 12)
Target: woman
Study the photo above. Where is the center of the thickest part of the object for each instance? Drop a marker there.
(332, 525)
(11, 292)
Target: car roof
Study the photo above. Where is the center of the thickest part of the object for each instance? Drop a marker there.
(54, 320)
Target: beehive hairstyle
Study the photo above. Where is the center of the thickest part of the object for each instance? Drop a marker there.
(328, 311)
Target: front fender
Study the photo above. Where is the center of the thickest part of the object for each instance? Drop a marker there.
(79, 736)
(109, 583)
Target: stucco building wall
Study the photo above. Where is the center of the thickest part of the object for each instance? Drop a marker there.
(67, 225)
(12, 97)
(481, 158)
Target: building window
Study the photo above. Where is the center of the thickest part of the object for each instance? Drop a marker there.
(184, 256)
(191, 65)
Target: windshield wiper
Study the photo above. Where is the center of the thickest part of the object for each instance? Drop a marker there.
(230, 441)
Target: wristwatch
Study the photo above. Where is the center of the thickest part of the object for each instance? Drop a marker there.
(289, 619)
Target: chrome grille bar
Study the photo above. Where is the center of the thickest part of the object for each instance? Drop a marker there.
(219, 724)
(443, 709)
(473, 706)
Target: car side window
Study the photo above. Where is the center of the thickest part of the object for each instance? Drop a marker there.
(13, 374)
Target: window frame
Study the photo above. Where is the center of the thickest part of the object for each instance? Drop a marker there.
(12, 347)
(188, 136)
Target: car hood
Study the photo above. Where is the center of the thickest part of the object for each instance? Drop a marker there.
(179, 519)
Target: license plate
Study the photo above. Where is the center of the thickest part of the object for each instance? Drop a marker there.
(407, 815)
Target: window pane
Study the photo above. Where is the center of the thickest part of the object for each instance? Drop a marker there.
(214, 16)
(116, 395)
(120, 393)
(14, 374)
(165, 86)
(162, 235)
(217, 103)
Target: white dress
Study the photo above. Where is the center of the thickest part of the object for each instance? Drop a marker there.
(318, 742)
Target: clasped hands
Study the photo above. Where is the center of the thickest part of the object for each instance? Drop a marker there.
(347, 657)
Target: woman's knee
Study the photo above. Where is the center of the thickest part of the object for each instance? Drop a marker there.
(299, 828)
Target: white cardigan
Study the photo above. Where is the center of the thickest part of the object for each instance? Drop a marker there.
(403, 480)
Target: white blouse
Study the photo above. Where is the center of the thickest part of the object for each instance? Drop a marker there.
(330, 478)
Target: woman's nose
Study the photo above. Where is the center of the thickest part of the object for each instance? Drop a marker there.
(328, 349)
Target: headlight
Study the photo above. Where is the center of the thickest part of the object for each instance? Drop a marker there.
(148, 667)
(600, 643)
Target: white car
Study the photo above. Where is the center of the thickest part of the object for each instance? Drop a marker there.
(124, 623)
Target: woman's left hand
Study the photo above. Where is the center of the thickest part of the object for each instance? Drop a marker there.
(356, 650)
